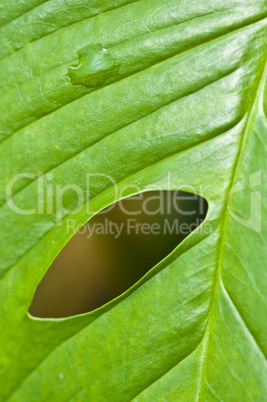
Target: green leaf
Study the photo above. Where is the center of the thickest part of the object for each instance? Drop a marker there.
(188, 103)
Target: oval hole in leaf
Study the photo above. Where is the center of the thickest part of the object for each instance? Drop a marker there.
(114, 250)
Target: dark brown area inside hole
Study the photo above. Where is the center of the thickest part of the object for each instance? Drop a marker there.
(114, 250)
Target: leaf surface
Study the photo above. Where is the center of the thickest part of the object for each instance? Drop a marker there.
(189, 101)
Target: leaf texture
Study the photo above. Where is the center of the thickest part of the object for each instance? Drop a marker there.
(189, 100)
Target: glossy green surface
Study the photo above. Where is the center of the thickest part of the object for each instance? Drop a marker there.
(95, 66)
(189, 101)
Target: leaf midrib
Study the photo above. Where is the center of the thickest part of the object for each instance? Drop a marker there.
(218, 280)
(224, 226)
(226, 217)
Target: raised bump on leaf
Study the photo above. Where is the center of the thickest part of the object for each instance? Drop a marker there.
(95, 66)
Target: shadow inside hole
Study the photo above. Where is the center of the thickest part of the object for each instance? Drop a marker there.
(114, 250)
